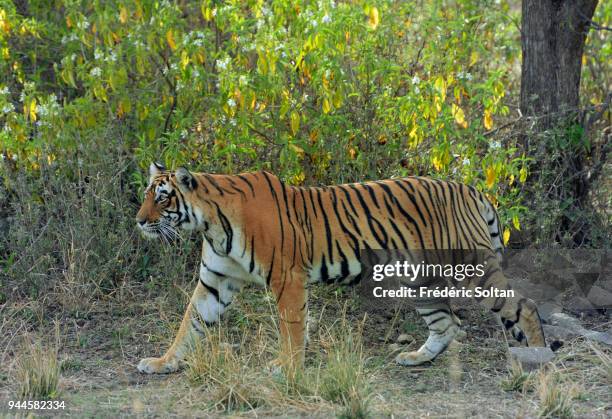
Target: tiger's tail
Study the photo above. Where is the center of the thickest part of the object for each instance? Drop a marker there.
(489, 214)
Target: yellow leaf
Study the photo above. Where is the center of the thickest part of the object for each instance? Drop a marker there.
(32, 110)
(506, 236)
(440, 85)
(123, 14)
(207, 13)
(373, 18)
(488, 119)
(295, 122)
(298, 179)
(170, 39)
(523, 174)
(459, 116)
(474, 57)
(516, 223)
(326, 106)
(490, 176)
(184, 59)
(337, 98)
(299, 151)
(437, 163)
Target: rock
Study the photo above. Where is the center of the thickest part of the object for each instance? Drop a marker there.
(579, 304)
(602, 337)
(531, 358)
(566, 321)
(606, 284)
(460, 335)
(547, 309)
(571, 327)
(600, 297)
(404, 339)
(558, 333)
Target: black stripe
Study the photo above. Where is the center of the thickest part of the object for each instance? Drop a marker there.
(249, 184)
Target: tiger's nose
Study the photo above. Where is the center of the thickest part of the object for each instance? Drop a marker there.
(141, 221)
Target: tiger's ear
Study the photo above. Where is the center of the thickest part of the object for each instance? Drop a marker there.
(185, 180)
(155, 169)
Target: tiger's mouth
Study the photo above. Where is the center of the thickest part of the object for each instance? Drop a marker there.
(159, 230)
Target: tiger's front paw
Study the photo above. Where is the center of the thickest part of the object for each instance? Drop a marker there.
(157, 366)
(413, 358)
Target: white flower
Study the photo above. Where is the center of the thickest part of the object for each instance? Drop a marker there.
(113, 56)
(22, 96)
(4, 90)
(416, 80)
(417, 90)
(464, 75)
(84, 24)
(14, 157)
(242, 80)
(8, 108)
(73, 57)
(231, 102)
(232, 122)
(466, 161)
(96, 72)
(214, 12)
(43, 110)
(98, 54)
(2, 156)
(495, 145)
(198, 42)
(222, 64)
(184, 134)
(326, 19)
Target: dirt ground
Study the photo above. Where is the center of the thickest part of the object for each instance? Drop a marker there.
(99, 349)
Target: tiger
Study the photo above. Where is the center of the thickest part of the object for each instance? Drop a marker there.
(258, 230)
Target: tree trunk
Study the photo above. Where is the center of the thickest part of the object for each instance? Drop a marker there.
(553, 36)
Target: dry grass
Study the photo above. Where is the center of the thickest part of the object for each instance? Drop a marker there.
(603, 361)
(37, 372)
(556, 400)
(517, 379)
(342, 375)
(239, 378)
(216, 365)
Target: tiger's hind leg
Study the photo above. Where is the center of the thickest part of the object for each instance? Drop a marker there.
(443, 326)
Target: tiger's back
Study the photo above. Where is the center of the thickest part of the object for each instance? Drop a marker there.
(338, 222)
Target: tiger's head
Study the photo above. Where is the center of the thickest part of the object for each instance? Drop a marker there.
(167, 203)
